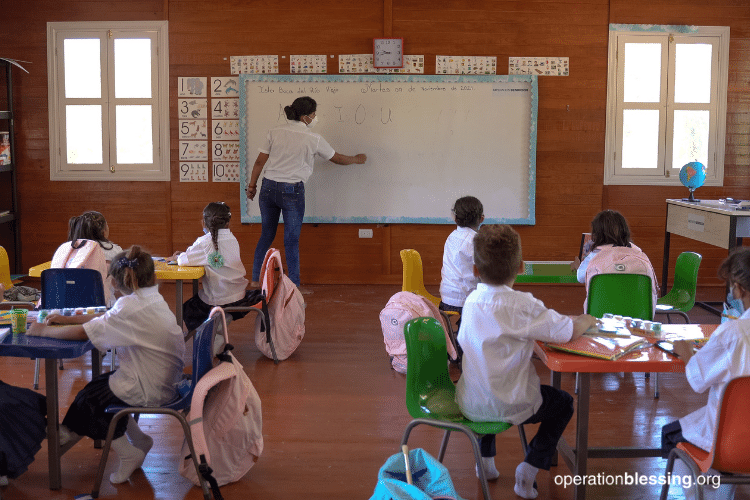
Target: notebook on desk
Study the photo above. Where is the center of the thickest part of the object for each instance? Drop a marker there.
(611, 348)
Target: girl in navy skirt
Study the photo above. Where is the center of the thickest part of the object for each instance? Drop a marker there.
(150, 347)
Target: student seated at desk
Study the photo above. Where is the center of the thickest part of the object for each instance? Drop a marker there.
(499, 381)
(612, 251)
(724, 357)
(218, 251)
(458, 279)
(151, 348)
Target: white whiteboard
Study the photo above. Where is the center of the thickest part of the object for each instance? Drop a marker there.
(428, 139)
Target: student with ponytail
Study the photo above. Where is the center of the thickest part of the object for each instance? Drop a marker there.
(150, 348)
(218, 251)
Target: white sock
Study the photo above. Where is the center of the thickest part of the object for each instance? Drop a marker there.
(525, 477)
(490, 471)
(131, 458)
(68, 436)
(3, 480)
(137, 437)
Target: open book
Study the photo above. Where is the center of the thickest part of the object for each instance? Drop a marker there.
(602, 347)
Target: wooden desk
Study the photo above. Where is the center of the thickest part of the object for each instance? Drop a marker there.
(51, 350)
(547, 272)
(163, 271)
(709, 221)
(644, 360)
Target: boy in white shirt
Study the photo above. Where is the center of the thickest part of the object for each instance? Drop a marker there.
(499, 382)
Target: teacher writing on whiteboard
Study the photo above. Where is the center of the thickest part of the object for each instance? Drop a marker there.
(288, 156)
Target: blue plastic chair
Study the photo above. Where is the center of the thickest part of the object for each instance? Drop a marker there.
(70, 288)
(178, 408)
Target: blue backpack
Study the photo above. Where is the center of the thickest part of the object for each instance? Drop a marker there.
(430, 479)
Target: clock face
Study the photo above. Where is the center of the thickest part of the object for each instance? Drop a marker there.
(388, 53)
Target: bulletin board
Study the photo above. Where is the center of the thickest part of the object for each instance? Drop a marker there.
(428, 139)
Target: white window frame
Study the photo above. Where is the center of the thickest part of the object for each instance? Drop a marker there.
(60, 169)
(668, 36)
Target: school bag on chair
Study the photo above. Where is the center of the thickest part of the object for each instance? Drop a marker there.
(225, 422)
(286, 311)
(630, 260)
(402, 307)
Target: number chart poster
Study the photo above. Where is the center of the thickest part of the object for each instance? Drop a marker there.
(429, 139)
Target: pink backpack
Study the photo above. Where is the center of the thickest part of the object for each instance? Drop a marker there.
(631, 260)
(225, 422)
(286, 309)
(400, 308)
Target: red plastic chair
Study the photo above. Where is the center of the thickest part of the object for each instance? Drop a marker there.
(729, 453)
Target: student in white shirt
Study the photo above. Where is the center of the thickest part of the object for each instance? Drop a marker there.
(150, 348)
(725, 356)
(458, 279)
(288, 157)
(498, 330)
(218, 251)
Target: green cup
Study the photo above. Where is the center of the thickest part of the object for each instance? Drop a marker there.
(18, 320)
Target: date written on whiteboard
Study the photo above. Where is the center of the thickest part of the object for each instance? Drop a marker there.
(226, 172)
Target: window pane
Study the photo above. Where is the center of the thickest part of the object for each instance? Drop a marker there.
(134, 134)
(640, 138)
(132, 68)
(83, 71)
(692, 73)
(690, 137)
(84, 134)
(642, 72)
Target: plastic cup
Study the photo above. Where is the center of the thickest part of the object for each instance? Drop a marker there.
(18, 320)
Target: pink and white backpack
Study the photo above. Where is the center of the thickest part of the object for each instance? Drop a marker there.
(631, 260)
(286, 309)
(225, 422)
(400, 308)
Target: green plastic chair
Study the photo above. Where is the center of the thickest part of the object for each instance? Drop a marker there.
(431, 395)
(624, 295)
(681, 298)
(621, 294)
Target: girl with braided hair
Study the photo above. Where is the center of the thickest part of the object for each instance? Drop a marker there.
(150, 347)
(218, 251)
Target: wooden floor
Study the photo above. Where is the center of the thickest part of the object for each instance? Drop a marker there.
(334, 411)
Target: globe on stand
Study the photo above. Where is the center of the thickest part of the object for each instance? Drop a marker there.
(692, 176)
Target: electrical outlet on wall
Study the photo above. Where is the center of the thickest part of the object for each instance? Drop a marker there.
(365, 233)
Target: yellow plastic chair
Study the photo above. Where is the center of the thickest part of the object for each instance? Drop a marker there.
(413, 281)
(728, 455)
(431, 395)
(5, 279)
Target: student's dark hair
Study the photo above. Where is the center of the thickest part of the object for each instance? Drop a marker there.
(300, 107)
(497, 253)
(133, 269)
(736, 268)
(88, 226)
(216, 216)
(609, 227)
(468, 211)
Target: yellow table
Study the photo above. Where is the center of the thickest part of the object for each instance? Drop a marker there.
(163, 272)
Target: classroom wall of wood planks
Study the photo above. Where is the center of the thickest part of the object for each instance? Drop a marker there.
(165, 216)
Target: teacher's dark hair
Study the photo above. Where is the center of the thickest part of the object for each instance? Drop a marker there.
(300, 107)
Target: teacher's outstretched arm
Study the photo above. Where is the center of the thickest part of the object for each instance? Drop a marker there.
(340, 159)
(252, 185)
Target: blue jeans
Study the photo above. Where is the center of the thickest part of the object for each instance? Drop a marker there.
(278, 198)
